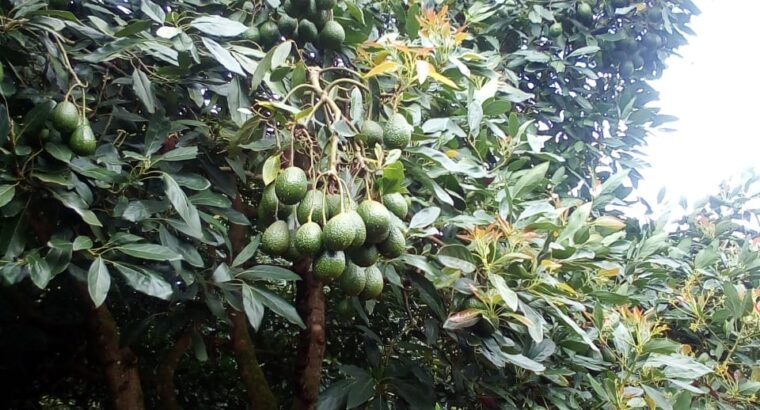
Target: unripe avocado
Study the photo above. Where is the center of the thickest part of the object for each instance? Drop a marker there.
(269, 33)
(325, 4)
(396, 203)
(364, 255)
(301, 4)
(276, 239)
(252, 34)
(333, 204)
(397, 132)
(313, 203)
(316, 16)
(82, 140)
(353, 280)
(332, 35)
(585, 13)
(654, 14)
(360, 231)
(339, 232)
(287, 25)
(345, 310)
(555, 30)
(371, 134)
(329, 265)
(308, 240)
(626, 68)
(394, 245)
(376, 219)
(652, 40)
(307, 31)
(374, 285)
(292, 10)
(270, 207)
(65, 117)
(290, 186)
(638, 61)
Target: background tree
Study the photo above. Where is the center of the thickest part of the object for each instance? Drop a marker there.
(151, 187)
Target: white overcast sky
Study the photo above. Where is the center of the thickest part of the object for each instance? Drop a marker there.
(713, 92)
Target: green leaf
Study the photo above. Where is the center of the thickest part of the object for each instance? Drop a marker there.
(237, 99)
(218, 26)
(134, 27)
(145, 281)
(507, 295)
(268, 272)
(223, 56)
(279, 306)
(247, 252)
(98, 281)
(34, 120)
(280, 54)
(153, 10)
(253, 308)
(530, 180)
(657, 397)
(271, 169)
(149, 251)
(185, 209)
(575, 222)
(457, 257)
(178, 154)
(142, 86)
(360, 392)
(570, 322)
(424, 217)
(72, 201)
(39, 270)
(584, 51)
(82, 242)
(525, 362)
(7, 193)
(677, 366)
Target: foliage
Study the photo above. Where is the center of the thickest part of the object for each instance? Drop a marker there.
(522, 284)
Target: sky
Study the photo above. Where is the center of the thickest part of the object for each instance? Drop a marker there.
(712, 91)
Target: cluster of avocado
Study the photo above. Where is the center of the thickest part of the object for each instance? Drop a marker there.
(67, 119)
(395, 134)
(343, 240)
(626, 55)
(308, 21)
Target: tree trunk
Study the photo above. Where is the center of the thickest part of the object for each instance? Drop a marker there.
(119, 365)
(257, 388)
(259, 393)
(165, 387)
(311, 344)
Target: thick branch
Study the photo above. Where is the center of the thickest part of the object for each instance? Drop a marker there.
(167, 394)
(119, 365)
(257, 388)
(311, 344)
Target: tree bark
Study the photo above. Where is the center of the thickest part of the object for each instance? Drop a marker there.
(119, 364)
(310, 304)
(165, 387)
(259, 393)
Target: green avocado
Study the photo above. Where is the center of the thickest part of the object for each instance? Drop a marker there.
(339, 232)
(374, 285)
(394, 245)
(269, 33)
(287, 25)
(276, 239)
(325, 4)
(370, 134)
(65, 117)
(344, 309)
(329, 265)
(555, 30)
(270, 207)
(360, 231)
(332, 36)
(83, 141)
(290, 186)
(313, 203)
(396, 203)
(252, 34)
(376, 219)
(352, 280)
(397, 132)
(585, 13)
(309, 239)
(316, 16)
(307, 32)
(626, 68)
(364, 256)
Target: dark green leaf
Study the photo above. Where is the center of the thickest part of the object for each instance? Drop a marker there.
(279, 306)
(149, 251)
(268, 272)
(98, 281)
(145, 281)
(142, 86)
(185, 209)
(223, 56)
(218, 26)
(254, 309)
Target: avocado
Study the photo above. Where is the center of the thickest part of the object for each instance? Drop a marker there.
(352, 280)
(396, 203)
(276, 239)
(394, 245)
(397, 132)
(376, 219)
(325, 4)
(364, 256)
(307, 32)
(65, 117)
(339, 232)
(313, 204)
(83, 141)
(287, 25)
(360, 231)
(555, 30)
(309, 239)
(290, 186)
(252, 34)
(329, 265)
(370, 134)
(374, 284)
(269, 33)
(332, 36)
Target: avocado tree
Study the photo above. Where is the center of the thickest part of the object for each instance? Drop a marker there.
(321, 204)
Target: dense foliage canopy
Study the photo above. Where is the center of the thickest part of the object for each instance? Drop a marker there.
(321, 204)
